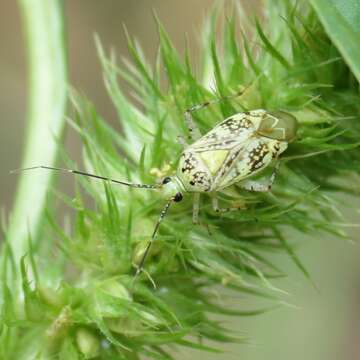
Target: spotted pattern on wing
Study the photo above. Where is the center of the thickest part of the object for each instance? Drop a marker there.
(234, 124)
(227, 134)
(193, 172)
(228, 163)
(257, 155)
(230, 128)
(201, 179)
(189, 162)
(276, 149)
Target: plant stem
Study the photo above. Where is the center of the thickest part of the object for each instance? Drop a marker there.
(47, 87)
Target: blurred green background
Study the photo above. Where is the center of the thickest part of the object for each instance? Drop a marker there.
(325, 322)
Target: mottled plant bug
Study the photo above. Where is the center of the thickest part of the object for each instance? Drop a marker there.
(232, 152)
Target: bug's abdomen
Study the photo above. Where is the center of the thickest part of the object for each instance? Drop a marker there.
(193, 172)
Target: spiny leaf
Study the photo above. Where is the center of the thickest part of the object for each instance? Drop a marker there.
(270, 48)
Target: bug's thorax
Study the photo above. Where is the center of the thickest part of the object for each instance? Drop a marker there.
(193, 172)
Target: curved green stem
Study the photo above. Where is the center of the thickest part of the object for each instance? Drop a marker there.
(44, 35)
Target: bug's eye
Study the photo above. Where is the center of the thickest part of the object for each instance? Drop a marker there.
(178, 197)
(166, 180)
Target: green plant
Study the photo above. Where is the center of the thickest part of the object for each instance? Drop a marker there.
(81, 302)
(44, 34)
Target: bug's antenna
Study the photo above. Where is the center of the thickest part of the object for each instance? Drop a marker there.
(77, 172)
(153, 236)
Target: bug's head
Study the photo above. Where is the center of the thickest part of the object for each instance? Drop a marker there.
(172, 189)
(278, 125)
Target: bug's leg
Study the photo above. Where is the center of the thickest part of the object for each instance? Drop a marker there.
(193, 129)
(195, 215)
(256, 186)
(194, 132)
(181, 140)
(215, 204)
(196, 205)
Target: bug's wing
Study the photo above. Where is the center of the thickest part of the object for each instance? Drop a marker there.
(244, 161)
(230, 132)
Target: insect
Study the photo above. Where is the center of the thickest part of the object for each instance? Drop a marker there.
(232, 152)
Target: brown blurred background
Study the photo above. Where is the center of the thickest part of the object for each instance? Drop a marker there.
(326, 322)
